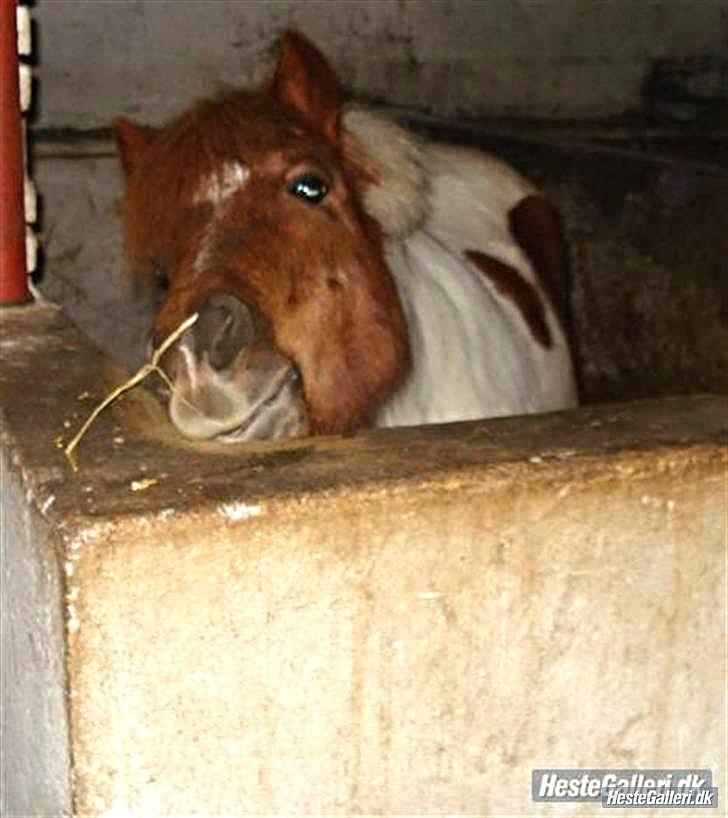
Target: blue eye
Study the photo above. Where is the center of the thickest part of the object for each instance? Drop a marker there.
(310, 188)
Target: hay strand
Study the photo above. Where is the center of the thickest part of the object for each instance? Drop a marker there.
(136, 378)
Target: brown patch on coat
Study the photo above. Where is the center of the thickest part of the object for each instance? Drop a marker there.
(513, 286)
(536, 227)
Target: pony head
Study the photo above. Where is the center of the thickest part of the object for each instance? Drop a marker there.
(249, 210)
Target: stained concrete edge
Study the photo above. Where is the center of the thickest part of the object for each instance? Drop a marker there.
(131, 461)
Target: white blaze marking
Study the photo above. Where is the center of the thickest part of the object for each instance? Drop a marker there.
(216, 189)
(204, 251)
(222, 183)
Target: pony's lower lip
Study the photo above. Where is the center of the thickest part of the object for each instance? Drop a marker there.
(237, 434)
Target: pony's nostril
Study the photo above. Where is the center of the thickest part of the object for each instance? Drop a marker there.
(225, 325)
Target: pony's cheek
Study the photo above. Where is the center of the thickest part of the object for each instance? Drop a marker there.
(312, 353)
(296, 333)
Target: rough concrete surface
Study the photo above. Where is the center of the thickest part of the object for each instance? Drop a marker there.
(35, 764)
(399, 622)
(82, 250)
(540, 58)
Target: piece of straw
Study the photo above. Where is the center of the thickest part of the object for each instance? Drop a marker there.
(136, 378)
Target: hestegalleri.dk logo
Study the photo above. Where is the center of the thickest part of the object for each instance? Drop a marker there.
(626, 788)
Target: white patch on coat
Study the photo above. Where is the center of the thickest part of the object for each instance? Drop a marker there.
(473, 355)
(204, 251)
(222, 183)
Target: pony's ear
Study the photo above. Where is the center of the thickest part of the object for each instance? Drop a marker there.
(132, 141)
(305, 82)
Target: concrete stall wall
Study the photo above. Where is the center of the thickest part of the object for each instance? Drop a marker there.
(35, 763)
(494, 58)
(396, 622)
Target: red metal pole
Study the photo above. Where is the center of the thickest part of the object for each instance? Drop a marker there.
(13, 273)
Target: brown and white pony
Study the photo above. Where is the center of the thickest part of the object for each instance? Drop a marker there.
(345, 273)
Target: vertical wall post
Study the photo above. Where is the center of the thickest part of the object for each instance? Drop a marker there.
(13, 273)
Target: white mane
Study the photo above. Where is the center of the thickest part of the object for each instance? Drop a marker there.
(400, 201)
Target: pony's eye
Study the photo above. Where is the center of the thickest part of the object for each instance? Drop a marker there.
(309, 187)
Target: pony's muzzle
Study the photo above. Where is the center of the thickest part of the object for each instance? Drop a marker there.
(229, 381)
(225, 326)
